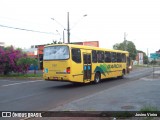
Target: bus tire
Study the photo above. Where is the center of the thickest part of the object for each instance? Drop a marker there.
(123, 73)
(97, 78)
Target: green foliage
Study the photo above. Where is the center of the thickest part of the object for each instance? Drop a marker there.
(34, 62)
(19, 75)
(14, 60)
(127, 46)
(26, 62)
(8, 58)
(145, 59)
(55, 42)
(148, 108)
(153, 62)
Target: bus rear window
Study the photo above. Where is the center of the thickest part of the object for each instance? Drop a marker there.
(56, 53)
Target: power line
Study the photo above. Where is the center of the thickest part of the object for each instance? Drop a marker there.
(26, 29)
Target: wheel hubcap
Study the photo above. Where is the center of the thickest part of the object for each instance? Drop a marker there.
(97, 78)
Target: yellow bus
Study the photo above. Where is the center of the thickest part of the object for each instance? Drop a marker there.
(83, 64)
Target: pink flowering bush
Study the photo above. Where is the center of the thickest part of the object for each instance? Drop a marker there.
(9, 58)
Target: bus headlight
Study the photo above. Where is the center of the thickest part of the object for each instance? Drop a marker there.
(130, 67)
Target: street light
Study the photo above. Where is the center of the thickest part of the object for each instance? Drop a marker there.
(60, 35)
(58, 22)
(68, 29)
(61, 26)
(68, 26)
(85, 15)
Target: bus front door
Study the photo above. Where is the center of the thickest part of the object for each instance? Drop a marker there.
(87, 67)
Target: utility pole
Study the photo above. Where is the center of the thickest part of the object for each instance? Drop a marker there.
(63, 36)
(125, 35)
(147, 57)
(68, 29)
(38, 57)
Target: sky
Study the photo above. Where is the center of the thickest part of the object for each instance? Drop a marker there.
(106, 22)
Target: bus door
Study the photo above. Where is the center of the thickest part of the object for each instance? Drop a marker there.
(87, 69)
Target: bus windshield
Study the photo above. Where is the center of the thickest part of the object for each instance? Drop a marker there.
(56, 53)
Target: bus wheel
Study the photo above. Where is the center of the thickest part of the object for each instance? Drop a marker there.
(97, 78)
(123, 73)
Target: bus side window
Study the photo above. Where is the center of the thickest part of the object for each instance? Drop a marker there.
(87, 59)
(76, 55)
(94, 56)
(119, 57)
(100, 56)
(128, 61)
(123, 58)
(114, 57)
(107, 57)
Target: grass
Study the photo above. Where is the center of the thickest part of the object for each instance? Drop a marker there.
(146, 109)
(148, 65)
(149, 108)
(16, 75)
(145, 65)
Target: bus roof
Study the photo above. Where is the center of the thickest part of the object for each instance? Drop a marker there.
(88, 47)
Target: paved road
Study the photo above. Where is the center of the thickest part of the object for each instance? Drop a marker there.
(130, 96)
(40, 95)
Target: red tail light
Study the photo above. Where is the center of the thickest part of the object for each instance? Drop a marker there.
(68, 70)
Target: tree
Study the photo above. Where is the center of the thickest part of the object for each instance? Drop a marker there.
(14, 60)
(8, 58)
(55, 42)
(128, 46)
(34, 62)
(2, 56)
(26, 62)
(153, 62)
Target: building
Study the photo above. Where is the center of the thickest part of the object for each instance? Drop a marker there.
(155, 56)
(40, 49)
(36, 51)
(139, 58)
(31, 52)
(88, 43)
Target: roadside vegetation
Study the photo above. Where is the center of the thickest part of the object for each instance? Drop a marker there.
(131, 48)
(149, 108)
(21, 75)
(142, 66)
(16, 63)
